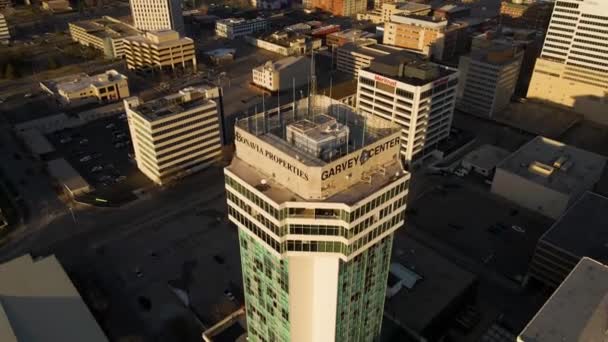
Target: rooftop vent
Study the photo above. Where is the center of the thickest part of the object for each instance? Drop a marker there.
(541, 169)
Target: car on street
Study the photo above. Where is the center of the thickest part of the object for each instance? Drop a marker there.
(518, 229)
(65, 140)
(85, 159)
(96, 168)
(84, 141)
(110, 125)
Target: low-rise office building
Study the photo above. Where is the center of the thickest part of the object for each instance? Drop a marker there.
(578, 233)
(232, 28)
(78, 89)
(407, 89)
(286, 43)
(176, 135)
(106, 34)
(488, 76)
(5, 35)
(160, 51)
(428, 35)
(576, 312)
(39, 303)
(547, 176)
(283, 74)
(352, 57)
(386, 10)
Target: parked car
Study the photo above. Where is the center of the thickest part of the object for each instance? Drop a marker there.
(65, 140)
(96, 168)
(85, 159)
(84, 141)
(110, 125)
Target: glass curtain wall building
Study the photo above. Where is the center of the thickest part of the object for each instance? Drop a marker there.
(316, 191)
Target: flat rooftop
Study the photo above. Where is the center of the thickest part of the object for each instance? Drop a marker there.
(352, 34)
(535, 161)
(283, 38)
(236, 21)
(170, 105)
(161, 38)
(271, 129)
(576, 312)
(413, 6)
(582, 230)
(441, 282)
(372, 50)
(107, 27)
(39, 303)
(64, 173)
(409, 67)
(486, 156)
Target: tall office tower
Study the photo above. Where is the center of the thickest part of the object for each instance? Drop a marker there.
(488, 75)
(316, 192)
(5, 35)
(175, 135)
(572, 70)
(159, 51)
(157, 15)
(414, 93)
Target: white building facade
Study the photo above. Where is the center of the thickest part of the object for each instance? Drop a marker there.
(423, 107)
(156, 15)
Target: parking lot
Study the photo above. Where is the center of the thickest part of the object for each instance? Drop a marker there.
(101, 152)
(463, 214)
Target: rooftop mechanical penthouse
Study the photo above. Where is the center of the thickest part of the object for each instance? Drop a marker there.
(316, 191)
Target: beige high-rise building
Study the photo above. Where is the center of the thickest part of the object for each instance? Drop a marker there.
(176, 135)
(156, 15)
(572, 70)
(159, 51)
